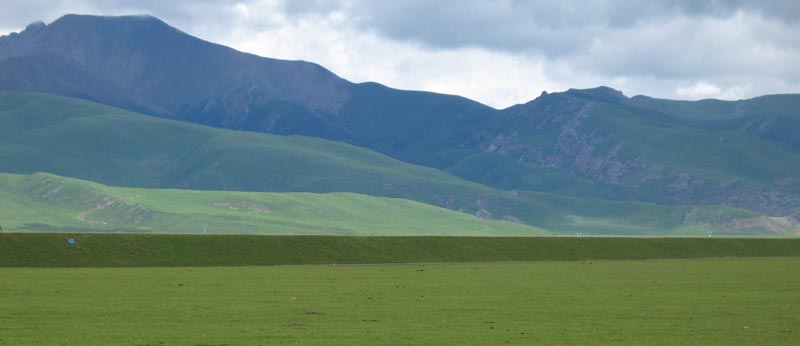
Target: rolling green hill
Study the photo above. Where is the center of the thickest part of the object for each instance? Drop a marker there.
(75, 138)
(44, 202)
(69, 137)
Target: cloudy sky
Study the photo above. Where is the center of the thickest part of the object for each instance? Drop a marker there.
(497, 52)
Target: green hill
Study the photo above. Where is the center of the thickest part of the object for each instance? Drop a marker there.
(44, 202)
(771, 117)
(599, 143)
(75, 138)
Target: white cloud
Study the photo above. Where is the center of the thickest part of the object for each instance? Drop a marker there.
(698, 90)
(242, 9)
(703, 90)
(496, 78)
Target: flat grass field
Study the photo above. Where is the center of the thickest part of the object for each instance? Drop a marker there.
(732, 301)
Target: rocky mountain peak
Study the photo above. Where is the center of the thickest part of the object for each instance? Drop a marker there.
(30, 31)
(35, 27)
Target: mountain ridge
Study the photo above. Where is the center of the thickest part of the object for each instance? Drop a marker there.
(135, 56)
(79, 139)
(595, 142)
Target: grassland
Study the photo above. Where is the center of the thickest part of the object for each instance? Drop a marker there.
(657, 302)
(161, 250)
(43, 202)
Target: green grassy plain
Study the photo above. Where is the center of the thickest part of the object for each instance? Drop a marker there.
(654, 302)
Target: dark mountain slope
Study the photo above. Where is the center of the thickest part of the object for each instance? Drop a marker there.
(611, 145)
(411, 124)
(143, 64)
(140, 63)
(585, 143)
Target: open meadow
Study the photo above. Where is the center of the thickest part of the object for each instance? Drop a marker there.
(732, 301)
(399, 173)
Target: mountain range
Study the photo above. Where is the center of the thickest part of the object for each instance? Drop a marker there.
(591, 158)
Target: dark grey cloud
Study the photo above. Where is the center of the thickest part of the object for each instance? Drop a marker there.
(663, 40)
(552, 28)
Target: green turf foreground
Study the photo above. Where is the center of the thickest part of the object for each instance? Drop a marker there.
(171, 250)
(655, 302)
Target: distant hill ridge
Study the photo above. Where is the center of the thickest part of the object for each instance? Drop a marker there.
(594, 143)
(84, 140)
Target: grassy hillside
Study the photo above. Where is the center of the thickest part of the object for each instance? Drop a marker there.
(160, 250)
(42, 202)
(69, 137)
(599, 143)
(772, 117)
(85, 140)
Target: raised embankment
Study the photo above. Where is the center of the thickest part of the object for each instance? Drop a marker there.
(164, 250)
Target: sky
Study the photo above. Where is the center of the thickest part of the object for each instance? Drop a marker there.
(500, 52)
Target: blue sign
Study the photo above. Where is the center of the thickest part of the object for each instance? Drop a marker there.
(71, 241)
